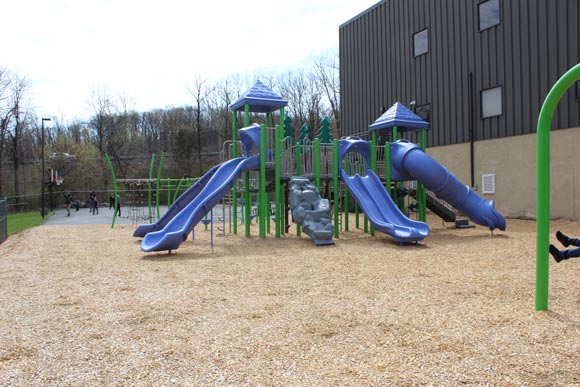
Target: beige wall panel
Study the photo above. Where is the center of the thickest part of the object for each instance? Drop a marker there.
(513, 161)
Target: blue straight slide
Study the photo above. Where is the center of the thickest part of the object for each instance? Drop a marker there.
(185, 198)
(375, 201)
(409, 159)
(177, 229)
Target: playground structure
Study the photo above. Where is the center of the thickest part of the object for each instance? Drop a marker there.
(357, 164)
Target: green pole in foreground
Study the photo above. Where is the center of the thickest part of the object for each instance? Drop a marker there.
(543, 183)
(114, 186)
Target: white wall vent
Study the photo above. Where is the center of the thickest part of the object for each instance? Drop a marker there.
(488, 183)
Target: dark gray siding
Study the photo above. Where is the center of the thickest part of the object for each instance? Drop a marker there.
(534, 44)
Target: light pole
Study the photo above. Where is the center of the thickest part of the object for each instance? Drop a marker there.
(42, 172)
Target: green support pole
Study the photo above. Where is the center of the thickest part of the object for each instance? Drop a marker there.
(388, 167)
(421, 193)
(279, 206)
(169, 183)
(262, 199)
(281, 212)
(159, 182)
(317, 163)
(356, 207)
(268, 146)
(247, 193)
(298, 172)
(179, 184)
(373, 165)
(396, 191)
(234, 188)
(114, 187)
(346, 202)
(543, 183)
(335, 187)
(149, 187)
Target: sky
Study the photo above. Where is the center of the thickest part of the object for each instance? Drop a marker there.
(152, 51)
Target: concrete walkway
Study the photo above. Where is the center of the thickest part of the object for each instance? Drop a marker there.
(105, 216)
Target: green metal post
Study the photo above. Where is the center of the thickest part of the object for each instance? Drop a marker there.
(373, 164)
(277, 174)
(149, 187)
(247, 193)
(114, 187)
(317, 163)
(543, 183)
(298, 172)
(234, 188)
(356, 207)
(279, 204)
(262, 199)
(421, 193)
(159, 182)
(396, 185)
(388, 167)
(346, 203)
(335, 187)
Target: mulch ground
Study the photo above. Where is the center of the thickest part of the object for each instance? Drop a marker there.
(84, 306)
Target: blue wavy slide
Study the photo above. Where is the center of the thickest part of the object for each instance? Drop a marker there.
(177, 229)
(182, 201)
(409, 160)
(375, 201)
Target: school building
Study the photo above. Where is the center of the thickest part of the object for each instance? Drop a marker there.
(478, 72)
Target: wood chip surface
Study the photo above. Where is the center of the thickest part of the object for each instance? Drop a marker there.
(84, 306)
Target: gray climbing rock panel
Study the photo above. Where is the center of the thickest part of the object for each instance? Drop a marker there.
(311, 211)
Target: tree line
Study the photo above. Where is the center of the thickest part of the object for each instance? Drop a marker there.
(191, 137)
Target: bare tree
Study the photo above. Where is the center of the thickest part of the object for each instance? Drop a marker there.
(304, 98)
(101, 101)
(199, 91)
(326, 71)
(14, 121)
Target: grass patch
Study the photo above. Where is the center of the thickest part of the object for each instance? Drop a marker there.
(23, 221)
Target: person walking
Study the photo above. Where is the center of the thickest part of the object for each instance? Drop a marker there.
(92, 202)
(95, 205)
(67, 201)
(118, 210)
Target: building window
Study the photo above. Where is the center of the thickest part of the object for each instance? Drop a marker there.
(420, 42)
(489, 14)
(491, 105)
(424, 111)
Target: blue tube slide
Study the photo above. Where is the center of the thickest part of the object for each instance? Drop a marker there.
(176, 230)
(374, 199)
(185, 198)
(409, 159)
